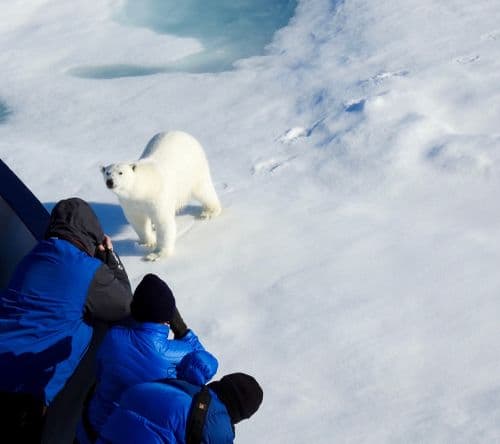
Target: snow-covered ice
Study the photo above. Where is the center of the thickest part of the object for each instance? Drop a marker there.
(353, 269)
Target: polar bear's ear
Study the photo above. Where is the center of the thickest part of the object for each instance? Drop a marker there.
(133, 165)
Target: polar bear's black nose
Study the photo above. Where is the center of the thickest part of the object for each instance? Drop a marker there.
(109, 183)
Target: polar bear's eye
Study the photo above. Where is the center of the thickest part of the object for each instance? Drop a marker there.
(120, 173)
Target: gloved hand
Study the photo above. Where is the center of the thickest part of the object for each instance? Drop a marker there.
(102, 255)
(102, 250)
(178, 325)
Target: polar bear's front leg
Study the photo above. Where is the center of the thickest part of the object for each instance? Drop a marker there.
(148, 238)
(166, 232)
(142, 225)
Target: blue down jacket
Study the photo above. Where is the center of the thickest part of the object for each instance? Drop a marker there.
(157, 412)
(46, 315)
(42, 332)
(134, 353)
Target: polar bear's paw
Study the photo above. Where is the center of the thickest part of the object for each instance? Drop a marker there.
(209, 213)
(152, 257)
(157, 255)
(147, 244)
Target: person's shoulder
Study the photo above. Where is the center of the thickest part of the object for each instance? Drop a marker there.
(139, 333)
(72, 253)
(116, 335)
(161, 404)
(118, 331)
(115, 344)
(63, 252)
(159, 393)
(218, 423)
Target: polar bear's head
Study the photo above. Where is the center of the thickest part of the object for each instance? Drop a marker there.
(119, 177)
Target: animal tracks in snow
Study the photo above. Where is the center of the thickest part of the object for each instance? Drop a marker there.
(355, 106)
(4, 112)
(384, 76)
(380, 77)
(493, 35)
(297, 132)
(271, 165)
(465, 60)
(293, 134)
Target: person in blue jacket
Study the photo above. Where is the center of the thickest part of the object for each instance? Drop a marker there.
(180, 412)
(139, 351)
(53, 313)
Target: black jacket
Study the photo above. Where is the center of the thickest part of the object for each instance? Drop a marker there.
(109, 293)
(53, 315)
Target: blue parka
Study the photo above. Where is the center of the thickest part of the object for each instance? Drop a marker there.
(56, 293)
(135, 353)
(157, 413)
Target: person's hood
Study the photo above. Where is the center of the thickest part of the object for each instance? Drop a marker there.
(74, 220)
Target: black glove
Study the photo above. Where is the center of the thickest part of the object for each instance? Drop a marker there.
(178, 325)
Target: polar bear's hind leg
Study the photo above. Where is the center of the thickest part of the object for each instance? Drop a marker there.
(205, 193)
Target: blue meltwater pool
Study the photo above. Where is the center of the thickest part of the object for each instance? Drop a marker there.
(228, 30)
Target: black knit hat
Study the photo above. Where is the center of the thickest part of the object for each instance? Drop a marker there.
(153, 300)
(240, 393)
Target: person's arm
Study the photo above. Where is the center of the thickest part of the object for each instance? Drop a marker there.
(176, 349)
(109, 293)
(185, 340)
(106, 254)
(197, 367)
(190, 340)
(178, 326)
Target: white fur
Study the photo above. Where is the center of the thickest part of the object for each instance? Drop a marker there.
(172, 169)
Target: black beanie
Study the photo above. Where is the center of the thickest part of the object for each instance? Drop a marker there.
(153, 301)
(240, 393)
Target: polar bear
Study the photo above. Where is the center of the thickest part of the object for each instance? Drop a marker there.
(172, 169)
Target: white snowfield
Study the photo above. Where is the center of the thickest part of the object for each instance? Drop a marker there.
(354, 269)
